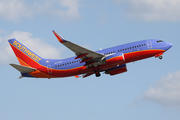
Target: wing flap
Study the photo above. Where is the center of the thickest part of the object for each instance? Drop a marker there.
(22, 69)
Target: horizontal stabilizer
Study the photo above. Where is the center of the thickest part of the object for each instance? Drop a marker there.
(23, 69)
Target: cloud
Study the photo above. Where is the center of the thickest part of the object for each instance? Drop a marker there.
(166, 91)
(72, 9)
(15, 10)
(64, 9)
(37, 45)
(152, 10)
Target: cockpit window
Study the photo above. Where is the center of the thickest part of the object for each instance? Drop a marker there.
(159, 41)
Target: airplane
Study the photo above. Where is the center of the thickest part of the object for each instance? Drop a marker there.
(86, 62)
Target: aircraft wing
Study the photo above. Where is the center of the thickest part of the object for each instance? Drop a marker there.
(85, 54)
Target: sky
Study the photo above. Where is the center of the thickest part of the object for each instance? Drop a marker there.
(150, 89)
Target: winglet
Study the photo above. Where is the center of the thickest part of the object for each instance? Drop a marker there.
(60, 39)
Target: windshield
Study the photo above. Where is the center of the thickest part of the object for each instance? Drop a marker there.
(159, 41)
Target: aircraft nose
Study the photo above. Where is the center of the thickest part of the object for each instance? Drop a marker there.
(169, 45)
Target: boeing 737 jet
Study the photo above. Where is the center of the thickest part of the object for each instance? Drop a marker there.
(86, 62)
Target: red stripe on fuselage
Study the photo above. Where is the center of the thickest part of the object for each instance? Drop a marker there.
(138, 55)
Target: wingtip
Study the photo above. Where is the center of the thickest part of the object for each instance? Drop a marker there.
(20, 77)
(60, 39)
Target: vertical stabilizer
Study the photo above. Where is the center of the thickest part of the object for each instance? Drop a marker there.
(25, 56)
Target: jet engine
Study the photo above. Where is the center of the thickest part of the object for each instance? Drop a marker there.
(117, 70)
(115, 58)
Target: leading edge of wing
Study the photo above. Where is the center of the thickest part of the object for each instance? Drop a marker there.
(60, 39)
(78, 50)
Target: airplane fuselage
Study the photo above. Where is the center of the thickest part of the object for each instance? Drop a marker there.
(86, 62)
(131, 52)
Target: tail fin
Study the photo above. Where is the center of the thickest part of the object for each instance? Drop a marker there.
(25, 56)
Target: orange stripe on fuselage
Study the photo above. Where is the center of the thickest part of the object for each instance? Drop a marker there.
(40, 74)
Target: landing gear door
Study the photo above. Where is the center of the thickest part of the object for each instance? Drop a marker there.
(149, 44)
(49, 69)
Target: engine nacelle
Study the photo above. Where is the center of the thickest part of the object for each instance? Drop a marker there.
(117, 70)
(115, 59)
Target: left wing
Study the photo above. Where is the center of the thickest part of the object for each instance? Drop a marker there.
(84, 54)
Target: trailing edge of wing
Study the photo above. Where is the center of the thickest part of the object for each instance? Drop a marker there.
(23, 69)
